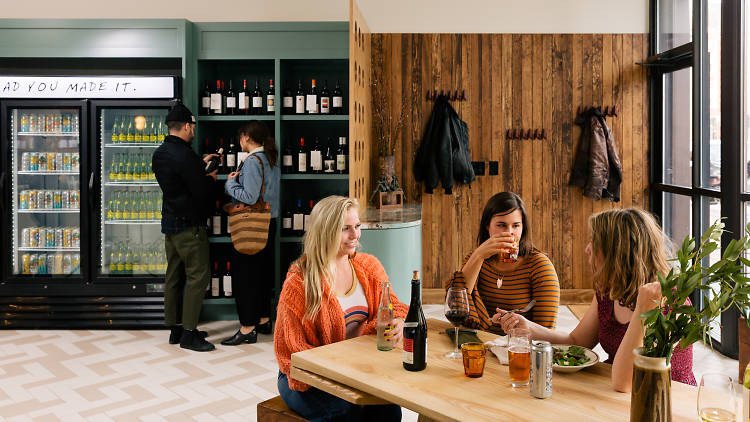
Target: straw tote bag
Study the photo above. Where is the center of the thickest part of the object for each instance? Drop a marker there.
(249, 223)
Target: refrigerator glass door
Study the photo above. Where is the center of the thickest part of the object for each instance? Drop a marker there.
(131, 240)
(46, 191)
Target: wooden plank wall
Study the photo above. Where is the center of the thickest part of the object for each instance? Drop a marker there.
(360, 104)
(519, 80)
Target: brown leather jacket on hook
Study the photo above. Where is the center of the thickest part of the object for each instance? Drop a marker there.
(597, 168)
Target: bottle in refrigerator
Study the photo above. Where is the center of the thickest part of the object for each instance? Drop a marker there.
(115, 132)
(130, 136)
(153, 134)
(137, 134)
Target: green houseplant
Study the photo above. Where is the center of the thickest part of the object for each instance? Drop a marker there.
(674, 322)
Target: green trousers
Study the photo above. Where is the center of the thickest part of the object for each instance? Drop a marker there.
(188, 275)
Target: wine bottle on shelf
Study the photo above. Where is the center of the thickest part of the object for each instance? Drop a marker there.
(337, 101)
(342, 156)
(312, 100)
(257, 98)
(215, 280)
(286, 223)
(226, 281)
(325, 99)
(414, 355)
(329, 158)
(270, 98)
(216, 220)
(217, 99)
(230, 100)
(301, 157)
(306, 218)
(299, 99)
(287, 103)
(316, 157)
(243, 99)
(298, 220)
(206, 99)
(287, 161)
(231, 157)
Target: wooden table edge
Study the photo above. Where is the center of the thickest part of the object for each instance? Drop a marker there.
(342, 391)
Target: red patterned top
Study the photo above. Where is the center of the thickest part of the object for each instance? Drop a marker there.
(611, 333)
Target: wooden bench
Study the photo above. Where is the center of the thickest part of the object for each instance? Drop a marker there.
(275, 410)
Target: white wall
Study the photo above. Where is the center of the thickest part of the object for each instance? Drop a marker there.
(460, 16)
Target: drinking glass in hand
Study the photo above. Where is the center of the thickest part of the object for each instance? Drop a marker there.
(510, 255)
(716, 398)
(519, 357)
(456, 310)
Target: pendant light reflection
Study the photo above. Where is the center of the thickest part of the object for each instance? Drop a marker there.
(140, 122)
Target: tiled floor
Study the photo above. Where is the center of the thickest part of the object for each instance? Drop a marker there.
(136, 376)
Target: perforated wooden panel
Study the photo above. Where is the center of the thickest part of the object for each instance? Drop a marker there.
(360, 115)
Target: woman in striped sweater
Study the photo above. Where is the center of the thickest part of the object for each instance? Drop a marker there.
(495, 286)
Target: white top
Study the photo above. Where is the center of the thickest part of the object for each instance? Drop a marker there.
(354, 305)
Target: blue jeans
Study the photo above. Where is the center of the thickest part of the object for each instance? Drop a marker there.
(317, 405)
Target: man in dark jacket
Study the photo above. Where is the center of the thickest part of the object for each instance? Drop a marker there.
(186, 190)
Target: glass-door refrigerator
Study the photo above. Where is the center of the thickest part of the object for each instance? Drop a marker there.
(43, 170)
(128, 244)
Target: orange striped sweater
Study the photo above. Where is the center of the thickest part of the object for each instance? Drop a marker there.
(535, 279)
(293, 333)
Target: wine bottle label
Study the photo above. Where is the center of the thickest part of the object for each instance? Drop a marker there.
(216, 224)
(243, 101)
(338, 102)
(214, 286)
(231, 160)
(300, 108)
(306, 221)
(286, 223)
(324, 105)
(227, 281)
(302, 163)
(408, 355)
(341, 162)
(231, 102)
(206, 102)
(288, 102)
(316, 161)
(271, 102)
(312, 103)
(286, 161)
(329, 166)
(298, 222)
(257, 102)
(215, 101)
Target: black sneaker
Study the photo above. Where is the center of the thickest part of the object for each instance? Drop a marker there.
(193, 340)
(264, 328)
(175, 334)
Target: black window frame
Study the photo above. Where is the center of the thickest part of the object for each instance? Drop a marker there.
(731, 195)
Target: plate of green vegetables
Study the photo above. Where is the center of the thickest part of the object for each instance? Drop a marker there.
(569, 358)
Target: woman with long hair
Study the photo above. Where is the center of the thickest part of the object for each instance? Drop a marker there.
(627, 252)
(331, 293)
(253, 274)
(494, 285)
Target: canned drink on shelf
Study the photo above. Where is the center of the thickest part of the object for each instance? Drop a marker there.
(67, 264)
(67, 237)
(50, 122)
(34, 237)
(40, 122)
(23, 200)
(25, 238)
(76, 243)
(49, 235)
(65, 199)
(75, 262)
(24, 122)
(58, 123)
(51, 161)
(33, 161)
(25, 264)
(75, 201)
(42, 161)
(66, 161)
(40, 199)
(30, 199)
(58, 236)
(25, 161)
(59, 161)
(41, 263)
(33, 263)
(75, 161)
(58, 264)
(57, 198)
(49, 200)
(32, 123)
(50, 263)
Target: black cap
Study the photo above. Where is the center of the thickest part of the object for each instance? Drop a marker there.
(180, 113)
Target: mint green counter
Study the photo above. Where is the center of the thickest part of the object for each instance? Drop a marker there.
(395, 238)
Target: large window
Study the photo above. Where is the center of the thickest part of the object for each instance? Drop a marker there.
(700, 139)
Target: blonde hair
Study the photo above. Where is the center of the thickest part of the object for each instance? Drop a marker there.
(322, 242)
(633, 249)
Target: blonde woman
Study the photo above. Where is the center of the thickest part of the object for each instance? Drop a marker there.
(330, 294)
(626, 253)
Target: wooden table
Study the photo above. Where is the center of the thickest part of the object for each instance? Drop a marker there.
(356, 371)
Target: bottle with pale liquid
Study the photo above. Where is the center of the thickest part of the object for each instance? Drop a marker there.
(385, 316)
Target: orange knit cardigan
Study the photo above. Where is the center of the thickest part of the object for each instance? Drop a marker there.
(294, 333)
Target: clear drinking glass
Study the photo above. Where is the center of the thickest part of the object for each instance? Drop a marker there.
(717, 401)
(519, 356)
(456, 311)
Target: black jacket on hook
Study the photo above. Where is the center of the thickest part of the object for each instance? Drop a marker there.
(443, 156)
(597, 168)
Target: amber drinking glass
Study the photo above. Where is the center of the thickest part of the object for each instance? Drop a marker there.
(519, 357)
(512, 255)
(474, 355)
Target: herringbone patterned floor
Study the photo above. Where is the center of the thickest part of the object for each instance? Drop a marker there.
(133, 375)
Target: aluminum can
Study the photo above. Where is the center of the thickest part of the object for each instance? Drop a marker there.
(30, 199)
(51, 161)
(25, 237)
(58, 123)
(35, 237)
(58, 264)
(75, 263)
(75, 161)
(25, 165)
(23, 200)
(33, 161)
(59, 237)
(49, 236)
(41, 161)
(49, 199)
(66, 161)
(540, 379)
(67, 237)
(40, 123)
(67, 264)
(25, 264)
(65, 199)
(41, 263)
(57, 198)
(32, 123)
(33, 268)
(49, 123)
(50, 263)
(76, 234)
(59, 161)
(40, 197)
(75, 202)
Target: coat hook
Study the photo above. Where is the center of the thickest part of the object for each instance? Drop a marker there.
(463, 95)
(456, 95)
(544, 134)
(507, 134)
(528, 134)
(536, 134)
